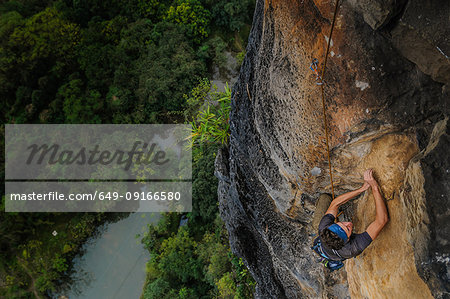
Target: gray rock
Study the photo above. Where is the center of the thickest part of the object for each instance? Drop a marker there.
(377, 13)
(423, 36)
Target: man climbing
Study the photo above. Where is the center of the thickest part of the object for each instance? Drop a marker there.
(336, 241)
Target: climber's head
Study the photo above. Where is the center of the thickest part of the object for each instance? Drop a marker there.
(347, 227)
(336, 235)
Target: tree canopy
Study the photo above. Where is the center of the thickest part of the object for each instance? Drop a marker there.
(120, 61)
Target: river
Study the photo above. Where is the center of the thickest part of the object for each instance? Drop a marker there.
(113, 263)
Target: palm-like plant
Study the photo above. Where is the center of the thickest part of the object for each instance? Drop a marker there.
(211, 123)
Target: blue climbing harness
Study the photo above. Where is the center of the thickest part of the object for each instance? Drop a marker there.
(324, 259)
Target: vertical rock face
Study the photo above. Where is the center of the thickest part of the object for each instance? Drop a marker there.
(387, 99)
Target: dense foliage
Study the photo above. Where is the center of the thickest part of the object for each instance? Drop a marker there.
(109, 61)
(194, 260)
(119, 61)
(211, 114)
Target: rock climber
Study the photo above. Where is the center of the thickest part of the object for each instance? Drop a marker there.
(336, 241)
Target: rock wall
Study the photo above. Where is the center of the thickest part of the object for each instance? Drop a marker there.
(387, 98)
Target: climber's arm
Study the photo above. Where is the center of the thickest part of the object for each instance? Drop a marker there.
(381, 217)
(341, 199)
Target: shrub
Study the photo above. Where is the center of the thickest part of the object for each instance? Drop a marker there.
(211, 124)
(193, 16)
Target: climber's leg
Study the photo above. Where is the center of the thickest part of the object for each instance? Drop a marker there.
(322, 205)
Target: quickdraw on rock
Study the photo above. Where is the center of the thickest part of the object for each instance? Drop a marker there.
(314, 67)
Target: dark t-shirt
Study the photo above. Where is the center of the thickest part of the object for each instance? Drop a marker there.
(356, 244)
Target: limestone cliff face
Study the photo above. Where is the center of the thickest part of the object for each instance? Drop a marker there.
(387, 97)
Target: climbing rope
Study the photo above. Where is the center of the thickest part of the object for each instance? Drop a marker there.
(323, 94)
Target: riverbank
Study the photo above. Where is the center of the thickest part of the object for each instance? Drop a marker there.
(53, 240)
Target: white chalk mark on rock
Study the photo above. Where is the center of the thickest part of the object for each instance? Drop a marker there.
(361, 85)
(316, 171)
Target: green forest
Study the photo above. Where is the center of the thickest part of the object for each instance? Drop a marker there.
(123, 62)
